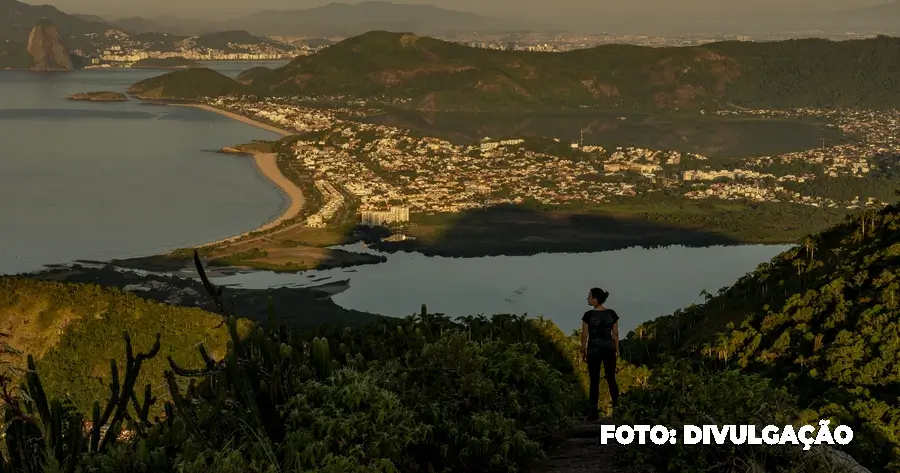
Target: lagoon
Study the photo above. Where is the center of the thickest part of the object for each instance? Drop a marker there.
(643, 283)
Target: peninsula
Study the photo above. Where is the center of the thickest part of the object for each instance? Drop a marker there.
(260, 248)
(99, 96)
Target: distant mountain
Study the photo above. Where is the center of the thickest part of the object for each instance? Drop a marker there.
(17, 20)
(342, 19)
(48, 49)
(167, 24)
(91, 18)
(222, 39)
(439, 75)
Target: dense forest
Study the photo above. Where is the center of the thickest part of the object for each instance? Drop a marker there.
(188, 83)
(819, 320)
(809, 334)
(440, 75)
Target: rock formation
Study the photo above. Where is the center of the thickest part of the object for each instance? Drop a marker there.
(47, 48)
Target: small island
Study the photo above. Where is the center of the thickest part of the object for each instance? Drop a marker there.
(100, 96)
(165, 63)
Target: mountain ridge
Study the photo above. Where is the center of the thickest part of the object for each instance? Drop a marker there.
(432, 74)
(819, 319)
(339, 19)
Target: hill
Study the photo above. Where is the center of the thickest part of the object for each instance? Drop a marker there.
(247, 77)
(233, 39)
(160, 24)
(438, 75)
(73, 330)
(19, 18)
(48, 49)
(13, 55)
(186, 84)
(423, 393)
(820, 319)
(343, 19)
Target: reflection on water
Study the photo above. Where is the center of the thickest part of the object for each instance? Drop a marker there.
(47, 114)
(709, 136)
(643, 283)
(103, 180)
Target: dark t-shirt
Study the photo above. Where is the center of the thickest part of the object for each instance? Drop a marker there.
(600, 324)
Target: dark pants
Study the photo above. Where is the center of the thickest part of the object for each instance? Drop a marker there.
(606, 358)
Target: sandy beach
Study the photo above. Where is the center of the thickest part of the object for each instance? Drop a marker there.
(267, 164)
(235, 116)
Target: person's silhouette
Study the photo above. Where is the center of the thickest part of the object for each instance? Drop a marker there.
(600, 347)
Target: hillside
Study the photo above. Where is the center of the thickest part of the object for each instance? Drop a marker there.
(820, 319)
(73, 330)
(227, 40)
(247, 77)
(13, 55)
(19, 18)
(186, 84)
(435, 74)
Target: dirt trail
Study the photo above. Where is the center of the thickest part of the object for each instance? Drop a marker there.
(580, 452)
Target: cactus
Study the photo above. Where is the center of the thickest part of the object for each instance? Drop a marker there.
(43, 432)
(321, 357)
(117, 406)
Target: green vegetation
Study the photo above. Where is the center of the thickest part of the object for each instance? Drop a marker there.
(254, 73)
(424, 393)
(13, 55)
(820, 320)
(812, 334)
(100, 96)
(186, 84)
(165, 63)
(439, 75)
(256, 146)
(67, 327)
(19, 18)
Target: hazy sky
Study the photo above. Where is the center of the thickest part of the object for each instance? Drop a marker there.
(559, 11)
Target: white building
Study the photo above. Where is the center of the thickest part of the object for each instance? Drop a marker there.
(378, 218)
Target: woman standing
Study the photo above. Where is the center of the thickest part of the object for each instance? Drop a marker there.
(600, 347)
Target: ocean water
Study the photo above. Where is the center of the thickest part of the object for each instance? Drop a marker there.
(89, 180)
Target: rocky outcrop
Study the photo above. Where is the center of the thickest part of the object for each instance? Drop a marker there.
(47, 48)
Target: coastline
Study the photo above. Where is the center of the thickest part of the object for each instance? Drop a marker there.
(267, 165)
(234, 116)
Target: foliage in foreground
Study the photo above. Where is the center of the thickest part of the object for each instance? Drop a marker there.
(679, 395)
(67, 327)
(821, 319)
(425, 393)
(424, 400)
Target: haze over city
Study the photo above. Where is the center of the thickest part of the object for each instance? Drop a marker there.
(640, 16)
